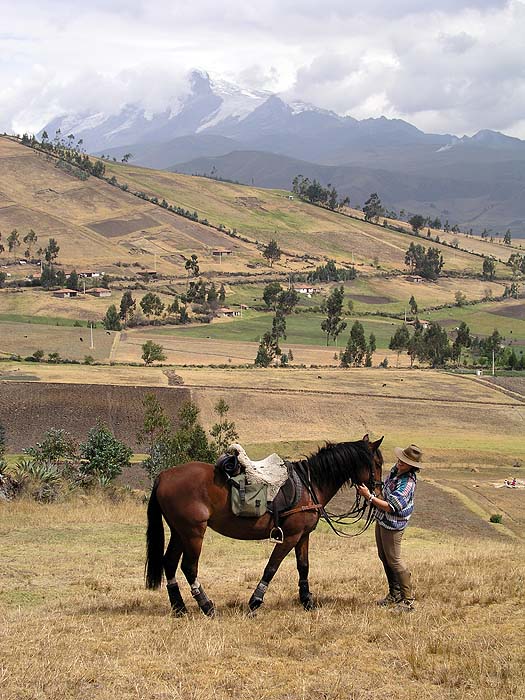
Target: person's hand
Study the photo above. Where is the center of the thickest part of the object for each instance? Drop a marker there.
(363, 490)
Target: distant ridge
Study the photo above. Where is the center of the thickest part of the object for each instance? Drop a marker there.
(474, 181)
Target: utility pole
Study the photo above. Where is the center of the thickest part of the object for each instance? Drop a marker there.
(91, 345)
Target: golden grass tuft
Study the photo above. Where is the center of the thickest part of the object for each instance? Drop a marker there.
(76, 621)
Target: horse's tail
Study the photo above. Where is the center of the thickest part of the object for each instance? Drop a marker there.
(154, 542)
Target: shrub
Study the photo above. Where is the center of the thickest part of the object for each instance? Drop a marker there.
(104, 456)
(496, 518)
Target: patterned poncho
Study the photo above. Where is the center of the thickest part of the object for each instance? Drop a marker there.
(398, 492)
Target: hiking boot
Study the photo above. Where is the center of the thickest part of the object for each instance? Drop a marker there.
(392, 597)
(404, 606)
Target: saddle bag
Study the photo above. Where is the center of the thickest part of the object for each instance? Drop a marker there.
(248, 500)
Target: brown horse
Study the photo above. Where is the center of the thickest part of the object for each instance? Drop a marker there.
(193, 496)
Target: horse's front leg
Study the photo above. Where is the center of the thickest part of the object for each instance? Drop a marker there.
(279, 553)
(301, 554)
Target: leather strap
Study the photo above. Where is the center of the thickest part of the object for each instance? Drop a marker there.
(301, 509)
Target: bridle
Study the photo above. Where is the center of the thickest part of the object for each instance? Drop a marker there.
(356, 513)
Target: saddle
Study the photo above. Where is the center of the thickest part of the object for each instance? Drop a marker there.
(269, 485)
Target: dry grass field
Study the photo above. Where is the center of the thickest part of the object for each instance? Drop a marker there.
(70, 342)
(76, 622)
(97, 225)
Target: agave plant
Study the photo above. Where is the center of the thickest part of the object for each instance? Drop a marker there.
(40, 479)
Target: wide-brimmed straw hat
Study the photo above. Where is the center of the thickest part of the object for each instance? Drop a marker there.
(411, 455)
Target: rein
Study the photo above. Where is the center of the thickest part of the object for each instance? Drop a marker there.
(340, 519)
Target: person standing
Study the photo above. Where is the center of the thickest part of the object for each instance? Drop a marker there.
(393, 512)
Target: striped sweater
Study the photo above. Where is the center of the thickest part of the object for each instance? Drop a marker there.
(398, 492)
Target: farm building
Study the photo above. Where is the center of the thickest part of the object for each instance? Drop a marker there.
(219, 253)
(66, 293)
(226, 312)
(89, 274)
(99, 292)
(306, 289)
(417, 279)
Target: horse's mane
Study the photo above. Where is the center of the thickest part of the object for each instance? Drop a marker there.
(337, 464)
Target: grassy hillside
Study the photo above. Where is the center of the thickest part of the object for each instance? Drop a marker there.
(97, 226)
(299, 227)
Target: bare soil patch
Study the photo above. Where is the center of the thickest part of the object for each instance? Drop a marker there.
(121, 227)
(515, 384)
(510, 311)
(370, 299)
(250, 202)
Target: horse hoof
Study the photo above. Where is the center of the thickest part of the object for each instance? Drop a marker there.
(254, 604)
(179, 612)
(209, 610)
(308, 603)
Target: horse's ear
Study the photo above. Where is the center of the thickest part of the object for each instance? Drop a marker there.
(366, 438)
(377, 444)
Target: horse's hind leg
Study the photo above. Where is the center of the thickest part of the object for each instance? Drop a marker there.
(171, 561)
(301, 554)
(190, 565)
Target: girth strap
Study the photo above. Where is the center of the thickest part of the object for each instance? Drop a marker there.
(301, 509)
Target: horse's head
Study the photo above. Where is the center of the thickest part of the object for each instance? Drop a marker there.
(374, 479)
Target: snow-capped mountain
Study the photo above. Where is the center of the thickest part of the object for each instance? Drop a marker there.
(207, 104)
(240, 134)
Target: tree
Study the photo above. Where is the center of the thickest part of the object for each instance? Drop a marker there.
(30, 240)
(266, 351)
(128, 306)
(3, 277)
(435, 347)
(271, 293)
(192, 266)
(152, 352)
(413, 305)
(333, 306)
(223, 432)
(51, 251)
(126, 157)
(373, 208)
(72, 280)
(272, 252)
(356, 347)
(462, 340)
(104, 455)
(151, 304)
(399, 341)
(156, 425)
(287, 301)
(222, 294)
(417, 222)
(461, 298)
(489, 268)
(111, 321)
(48, 277)
(13, 242)
(427, 263)
(415, 345)
(212, 297)
(57, 447)
(278, 329)
(507, 238)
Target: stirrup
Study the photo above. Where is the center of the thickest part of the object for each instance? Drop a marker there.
(276, 535)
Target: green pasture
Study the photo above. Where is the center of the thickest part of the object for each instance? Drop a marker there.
(481, 321)
(302, 329)
(39, 320)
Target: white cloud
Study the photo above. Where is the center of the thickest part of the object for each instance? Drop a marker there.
(445, 65)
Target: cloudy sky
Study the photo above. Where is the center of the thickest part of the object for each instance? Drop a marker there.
(454, 66)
